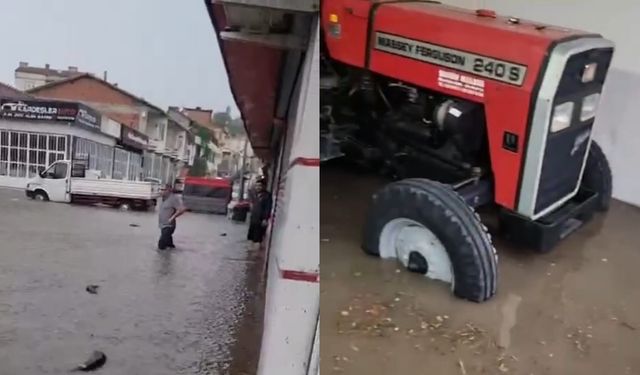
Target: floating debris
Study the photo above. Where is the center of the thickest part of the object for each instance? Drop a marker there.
(223, 234)
(95, 361)
(93, 289)
(134, 225)
(627, 325)
(462, 369)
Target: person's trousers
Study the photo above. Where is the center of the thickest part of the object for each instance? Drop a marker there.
(166, 238)
(256, 232)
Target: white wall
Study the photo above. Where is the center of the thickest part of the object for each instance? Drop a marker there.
(110, 127)
(617, 126)
(25, 81)
(292, 306)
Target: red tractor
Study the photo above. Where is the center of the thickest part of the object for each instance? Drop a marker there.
(463, 110)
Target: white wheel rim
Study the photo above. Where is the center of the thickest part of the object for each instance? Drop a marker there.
(124, 207)
(39, 197)
(400, 237)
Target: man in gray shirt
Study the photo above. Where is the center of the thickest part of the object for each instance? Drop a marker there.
(170, 209)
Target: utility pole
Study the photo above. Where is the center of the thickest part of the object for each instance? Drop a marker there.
(242, 168)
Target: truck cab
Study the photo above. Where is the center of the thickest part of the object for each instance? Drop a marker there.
(52, 184)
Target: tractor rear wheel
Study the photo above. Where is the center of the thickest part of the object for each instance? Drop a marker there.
(430, 229)
(597, 176)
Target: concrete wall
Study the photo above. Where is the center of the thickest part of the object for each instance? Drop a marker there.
(617, 129)
(110, 127)
(292, 302)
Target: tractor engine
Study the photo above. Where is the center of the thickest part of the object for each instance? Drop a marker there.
(408, 131)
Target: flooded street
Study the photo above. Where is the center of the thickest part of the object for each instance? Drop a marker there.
(193, 310)
(573, 311)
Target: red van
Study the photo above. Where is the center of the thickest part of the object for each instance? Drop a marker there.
(210, 195)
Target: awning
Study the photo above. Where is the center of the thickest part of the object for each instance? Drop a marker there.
(261, 42)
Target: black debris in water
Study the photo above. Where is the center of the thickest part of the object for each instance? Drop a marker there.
(94, 362)
(223, 234)
(93, 289)
(134, 225)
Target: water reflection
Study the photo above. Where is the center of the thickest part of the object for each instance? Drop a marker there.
(163, 264)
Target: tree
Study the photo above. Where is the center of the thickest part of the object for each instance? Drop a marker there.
(223, 118)
(236, 127)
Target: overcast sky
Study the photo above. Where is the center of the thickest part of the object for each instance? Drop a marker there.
(162, 50)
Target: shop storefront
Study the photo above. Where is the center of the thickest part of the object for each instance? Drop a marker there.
(127, 158)
(35, 133)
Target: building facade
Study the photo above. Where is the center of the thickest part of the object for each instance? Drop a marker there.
(36, 133)
(28, 77)
(158, 158)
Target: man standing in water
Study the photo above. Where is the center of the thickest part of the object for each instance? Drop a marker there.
(260, 214)
(170, 209)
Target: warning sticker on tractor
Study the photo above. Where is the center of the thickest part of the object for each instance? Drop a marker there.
(462, 83)
(484, 66)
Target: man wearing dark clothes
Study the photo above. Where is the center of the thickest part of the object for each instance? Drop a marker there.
(260, 213)
(170, 209)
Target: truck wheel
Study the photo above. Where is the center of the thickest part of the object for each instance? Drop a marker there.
(124, 206)
(40, 196)
(430, 229)
(597, 176)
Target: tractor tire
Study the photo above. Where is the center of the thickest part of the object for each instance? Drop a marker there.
(597, 176)
(432, 222)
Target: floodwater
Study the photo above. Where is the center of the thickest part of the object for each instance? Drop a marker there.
(193, 310)
(575, 310)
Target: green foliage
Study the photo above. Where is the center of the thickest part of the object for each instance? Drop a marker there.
(236, 127)
(222, 118)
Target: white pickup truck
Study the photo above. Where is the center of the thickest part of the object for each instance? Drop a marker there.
(63, 181)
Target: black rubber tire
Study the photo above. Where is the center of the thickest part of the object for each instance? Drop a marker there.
(597, 176)
(439, 208)
(40, 193)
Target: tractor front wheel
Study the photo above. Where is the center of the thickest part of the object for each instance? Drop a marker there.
(597, 176)
(431, 230)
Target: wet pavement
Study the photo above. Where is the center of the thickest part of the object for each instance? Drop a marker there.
(193, 310)
(575, 310)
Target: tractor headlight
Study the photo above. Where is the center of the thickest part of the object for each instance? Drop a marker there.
(562, 114)
(589, 106)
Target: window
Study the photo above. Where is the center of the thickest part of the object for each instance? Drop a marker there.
(135, 167)
(24, 154)
(121, 160)
(60, 171)
(100, 156)
(57, 171)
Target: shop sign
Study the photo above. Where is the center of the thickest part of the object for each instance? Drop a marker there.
(133, 138)
(88, 117)
(40, 110)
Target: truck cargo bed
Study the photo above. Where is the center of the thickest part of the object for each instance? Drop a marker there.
(115, 188)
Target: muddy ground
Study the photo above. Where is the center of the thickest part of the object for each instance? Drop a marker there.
(193, 310)
(575, 310)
